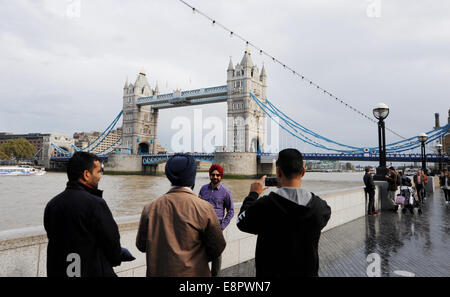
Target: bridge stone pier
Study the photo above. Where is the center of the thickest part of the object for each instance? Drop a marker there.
(245, 164)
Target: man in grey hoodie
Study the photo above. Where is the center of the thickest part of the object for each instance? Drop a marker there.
(288, 222)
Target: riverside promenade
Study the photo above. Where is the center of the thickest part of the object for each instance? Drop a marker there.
(352, 244)
(407, 244)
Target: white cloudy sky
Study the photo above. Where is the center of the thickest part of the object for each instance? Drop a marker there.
(64, 73)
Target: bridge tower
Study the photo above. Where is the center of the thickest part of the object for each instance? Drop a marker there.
(139, 123)
(246, 127)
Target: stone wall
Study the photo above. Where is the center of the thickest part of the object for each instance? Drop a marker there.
(23, 251)
(237, 163)
(124, 163)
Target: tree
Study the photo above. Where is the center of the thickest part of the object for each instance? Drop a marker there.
(3, 156)
(349, 166)
(18, 148)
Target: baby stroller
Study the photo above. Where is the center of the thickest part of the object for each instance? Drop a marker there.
(410, 200)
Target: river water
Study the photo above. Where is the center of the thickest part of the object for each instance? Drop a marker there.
(23, 198)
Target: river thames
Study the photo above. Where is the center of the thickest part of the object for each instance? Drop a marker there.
(23, 198)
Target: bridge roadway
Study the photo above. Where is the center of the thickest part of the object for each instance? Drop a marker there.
(185, 98)
(407, 244)
(269, 157)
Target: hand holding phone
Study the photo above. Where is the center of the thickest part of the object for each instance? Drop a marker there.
(258, 186)
(271, 182)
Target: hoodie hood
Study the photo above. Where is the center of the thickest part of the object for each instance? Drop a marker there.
(297, 195)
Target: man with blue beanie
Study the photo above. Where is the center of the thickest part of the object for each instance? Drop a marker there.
(180, 232)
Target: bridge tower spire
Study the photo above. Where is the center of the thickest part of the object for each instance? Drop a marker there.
(246, 130)
(139, 123)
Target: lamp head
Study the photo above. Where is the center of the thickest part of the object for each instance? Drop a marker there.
(422, 137)
(381, 111)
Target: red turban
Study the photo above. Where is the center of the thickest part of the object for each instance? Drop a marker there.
(216, 167)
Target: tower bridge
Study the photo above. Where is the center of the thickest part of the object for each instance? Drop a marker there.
(141, 105)
(246, 133)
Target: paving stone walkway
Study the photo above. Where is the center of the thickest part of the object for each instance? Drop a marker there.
(407, 244)
(403, 244)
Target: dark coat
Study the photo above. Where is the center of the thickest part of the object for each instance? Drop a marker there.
(392, 182)
(368, 181)
(442, 180)
(78, 220)
(288, 233)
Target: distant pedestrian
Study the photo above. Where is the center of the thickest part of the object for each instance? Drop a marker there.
(392, 180)
(221, 200)
(444, 183)
(404, 180)
(179, 232)
(425, 179)
(83, 238)
(288, 222)
(419, 183)
(370, 191)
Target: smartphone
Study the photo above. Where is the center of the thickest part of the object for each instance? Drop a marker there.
(271, 182)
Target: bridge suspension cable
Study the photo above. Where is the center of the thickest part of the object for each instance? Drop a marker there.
(99, 140)
(294, 72)
(299, 131)
(101, 137)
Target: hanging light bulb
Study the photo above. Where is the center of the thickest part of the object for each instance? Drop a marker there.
(193, 10)
(260, 52)
(231, 34)
(213, 23)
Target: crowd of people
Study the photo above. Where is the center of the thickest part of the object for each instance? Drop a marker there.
(411, 194)
(181, 232)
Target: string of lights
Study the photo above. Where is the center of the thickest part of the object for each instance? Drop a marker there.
(293, 71)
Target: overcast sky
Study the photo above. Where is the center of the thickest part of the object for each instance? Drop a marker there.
(65, 72)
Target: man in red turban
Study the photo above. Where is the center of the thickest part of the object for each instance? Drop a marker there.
(220, 198)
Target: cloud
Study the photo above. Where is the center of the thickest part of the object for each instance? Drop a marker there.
(66, 73)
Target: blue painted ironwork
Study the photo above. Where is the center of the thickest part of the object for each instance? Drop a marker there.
(66, 158)
(367, 157)
(299, 131)
(37, 153)
(101, 137)
(185, 98)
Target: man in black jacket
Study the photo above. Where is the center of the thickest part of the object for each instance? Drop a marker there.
(288, 222)
(370, 190)
(83, 238)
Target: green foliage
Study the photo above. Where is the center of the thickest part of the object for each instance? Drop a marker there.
(3, 155)
(18, 148)
(349, 166)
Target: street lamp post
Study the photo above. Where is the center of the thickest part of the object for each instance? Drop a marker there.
(423, 138)
(439, 149)
(381, 111)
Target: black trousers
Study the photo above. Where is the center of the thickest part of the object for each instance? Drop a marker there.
(420, 192)
(371, 206)
(447, 194)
